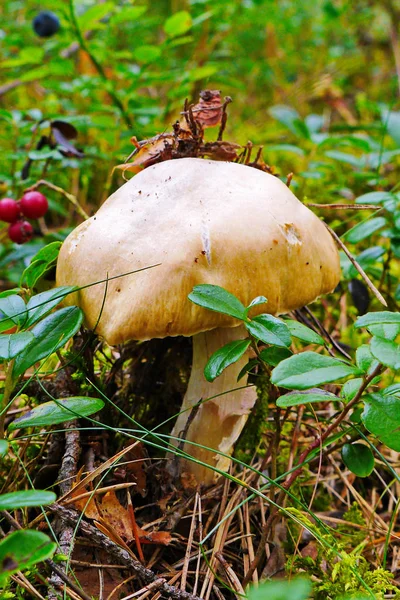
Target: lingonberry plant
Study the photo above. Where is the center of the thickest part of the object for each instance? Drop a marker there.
(297, 378)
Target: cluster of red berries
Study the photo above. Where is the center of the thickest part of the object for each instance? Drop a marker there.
(32, 205)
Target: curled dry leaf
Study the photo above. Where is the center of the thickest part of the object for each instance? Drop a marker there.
(208, 112)
(187, 139)
(109, 514)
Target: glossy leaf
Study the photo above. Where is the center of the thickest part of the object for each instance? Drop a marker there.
(15, 500)
(359, 459)
(273, 355)
(50, 334)
(308, 369)
(217, 299)
(364, 359)
(381, 417)
(386, 352)
(350, 389)
(13, 309)
(60, 411)
(384, 317)
(3, 447)
(13, 344)
(225, 356)
(270, 330)
(256, 302)
(306, 397)
(388, 332)
(303, 333)
(22, 549)
(365, 229)
(41, 263)
(41, 304)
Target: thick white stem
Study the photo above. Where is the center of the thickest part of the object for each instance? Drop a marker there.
(219, 421)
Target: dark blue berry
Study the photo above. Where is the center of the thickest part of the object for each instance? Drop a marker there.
(46, 24)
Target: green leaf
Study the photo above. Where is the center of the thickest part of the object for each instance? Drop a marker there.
(90, 18)
(307, 397)
(386, 351)
(217, 299)
(388, 332)
(365, 229)
(273, 355)
(147, 54)
(289, 117)
(297, 589)
(41, 304)
(364, 359)
(224, 357)
(3, 447)
(308, 369)
(256, 302)
(50, 334)
(13, 344)
(58, 411)
(22, 549)
(384, 317)
(374, 198)
(247, 367)
(269, 330)
(178, 24)
(303, 333)
(42, 262)
(16, 500)
(359, 459)
(350, 389)
(381, 417)
(14, 311)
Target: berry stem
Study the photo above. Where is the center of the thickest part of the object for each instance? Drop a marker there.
(70, 197)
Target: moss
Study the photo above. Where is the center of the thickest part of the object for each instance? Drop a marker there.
(257, 423)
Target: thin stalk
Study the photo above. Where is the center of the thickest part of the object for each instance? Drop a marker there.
(8, 388)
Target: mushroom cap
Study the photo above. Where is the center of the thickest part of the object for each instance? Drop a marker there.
(205, 222)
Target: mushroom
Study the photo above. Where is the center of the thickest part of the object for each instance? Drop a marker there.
(203, 221)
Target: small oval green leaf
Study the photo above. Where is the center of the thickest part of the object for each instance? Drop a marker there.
(306, 397)
(270, 330)
(309, 369)
(359, 459)
(304, 333)
(22, 549)
(58, 411)
(217, 299)
(15, 500)
(50, 334)
(224, 357)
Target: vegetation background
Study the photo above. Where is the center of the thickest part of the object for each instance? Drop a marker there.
(317, 85)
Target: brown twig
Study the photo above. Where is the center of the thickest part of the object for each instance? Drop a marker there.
(345, 206)
(118, 553)
(70, 197)
(361, 271)
(66, 476)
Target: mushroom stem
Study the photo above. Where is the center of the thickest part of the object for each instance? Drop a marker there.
(219, 421)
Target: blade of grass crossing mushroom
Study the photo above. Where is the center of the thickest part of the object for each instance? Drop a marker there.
(361, 271)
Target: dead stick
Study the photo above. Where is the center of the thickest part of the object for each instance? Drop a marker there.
(353, 261)
(345, 206)
(118, 553)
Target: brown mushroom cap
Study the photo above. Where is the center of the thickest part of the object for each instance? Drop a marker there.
(206, 222)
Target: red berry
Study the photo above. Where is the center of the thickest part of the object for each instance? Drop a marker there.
(34, 205)
(9, 210)
(20, 232)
